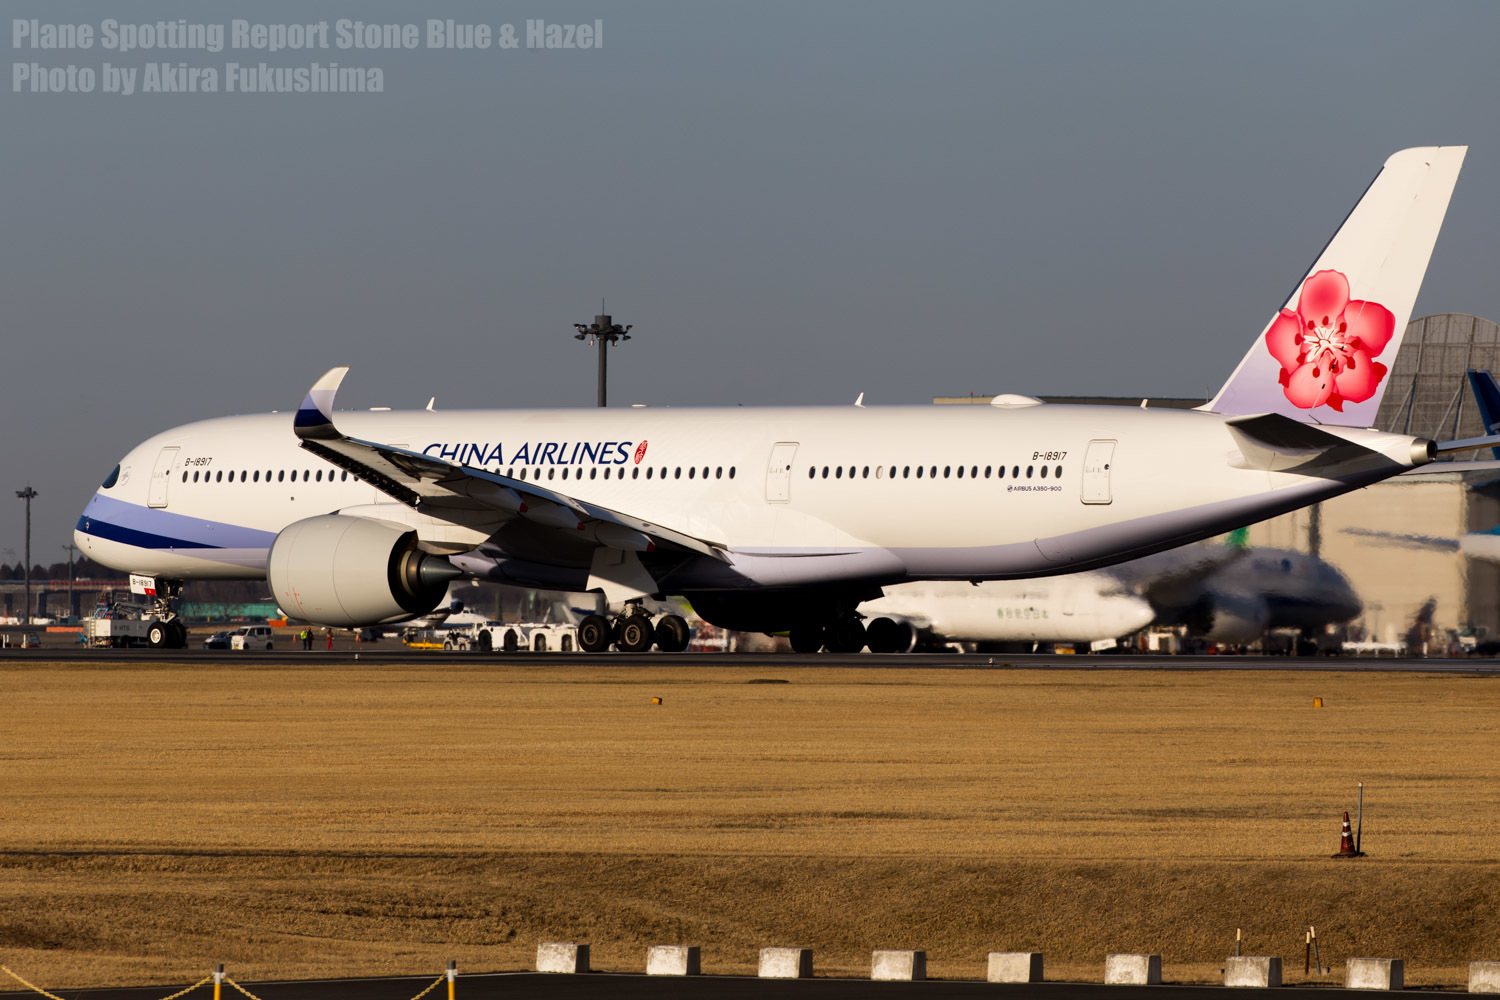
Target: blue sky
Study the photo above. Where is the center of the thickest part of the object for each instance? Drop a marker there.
(793, 203)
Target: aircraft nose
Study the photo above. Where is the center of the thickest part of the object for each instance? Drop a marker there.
(1131, 614)
(82, 531)
(1342, 595)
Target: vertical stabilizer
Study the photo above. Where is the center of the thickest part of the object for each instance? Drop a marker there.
(1326, 355)
(1487, 396)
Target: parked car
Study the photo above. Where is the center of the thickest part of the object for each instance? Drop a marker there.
(219, 640)
(251, 637)
(31, 640)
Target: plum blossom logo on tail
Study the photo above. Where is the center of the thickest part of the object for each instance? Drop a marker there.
(1328, 346)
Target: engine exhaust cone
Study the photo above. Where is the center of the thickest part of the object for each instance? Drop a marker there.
(434, 571)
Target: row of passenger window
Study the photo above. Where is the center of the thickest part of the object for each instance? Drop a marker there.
(253, 476)
(931, 472)
(660, 472)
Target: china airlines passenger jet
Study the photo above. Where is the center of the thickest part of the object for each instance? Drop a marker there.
(782, 518)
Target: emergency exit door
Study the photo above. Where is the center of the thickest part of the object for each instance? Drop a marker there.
(1096, 463)
(779, 472)
(160, 477)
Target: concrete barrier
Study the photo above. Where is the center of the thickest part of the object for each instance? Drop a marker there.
(562, 956)
(785, 963)
(1252, 970)
(1015, 967)
(1484, 977)
(1132, 970)
(1375, 974)
(673, 960)
(905, 965)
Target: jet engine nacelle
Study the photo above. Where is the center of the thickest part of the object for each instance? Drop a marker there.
(349, 572)
(1229, 618)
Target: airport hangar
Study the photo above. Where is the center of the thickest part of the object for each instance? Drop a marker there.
(1397, 541)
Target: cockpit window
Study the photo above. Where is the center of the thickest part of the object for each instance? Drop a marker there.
(112, 478)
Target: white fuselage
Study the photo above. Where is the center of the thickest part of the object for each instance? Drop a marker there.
(795, 496)
(1076, 607)
(1233, 596)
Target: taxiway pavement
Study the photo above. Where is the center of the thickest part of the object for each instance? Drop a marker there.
(506, 986)
(394, 654)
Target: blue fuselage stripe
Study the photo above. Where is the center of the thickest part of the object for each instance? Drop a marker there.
(130, 536)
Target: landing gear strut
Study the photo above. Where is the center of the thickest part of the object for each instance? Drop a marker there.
(168, 632)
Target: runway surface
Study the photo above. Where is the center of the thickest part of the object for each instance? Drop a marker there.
(394, 654)
(503, 986)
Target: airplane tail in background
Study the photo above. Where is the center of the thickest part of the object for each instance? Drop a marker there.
(1325, 357)
(1487, 395)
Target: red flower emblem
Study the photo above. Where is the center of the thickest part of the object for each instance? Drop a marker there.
(1328, 347)
(640, 452)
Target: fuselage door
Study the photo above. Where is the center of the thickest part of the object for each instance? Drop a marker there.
(1096, 462)
(779, 472)
(160, 476)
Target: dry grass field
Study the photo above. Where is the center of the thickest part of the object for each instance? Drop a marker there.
(308, 822)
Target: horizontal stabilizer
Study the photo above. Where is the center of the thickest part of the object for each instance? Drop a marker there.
(1278, 443)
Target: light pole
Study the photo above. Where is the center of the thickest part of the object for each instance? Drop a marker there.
(604, 332)
(71, 549)
(28, 494)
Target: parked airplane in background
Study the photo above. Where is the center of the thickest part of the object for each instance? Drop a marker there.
(1222, 593)
(784, 518)
(1485, 544)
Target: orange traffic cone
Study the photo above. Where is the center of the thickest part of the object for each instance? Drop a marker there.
(1346, 841)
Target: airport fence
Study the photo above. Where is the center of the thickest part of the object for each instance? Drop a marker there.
(218, 979)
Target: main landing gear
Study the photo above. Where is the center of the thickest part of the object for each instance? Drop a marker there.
(847, 634)
(632, 631)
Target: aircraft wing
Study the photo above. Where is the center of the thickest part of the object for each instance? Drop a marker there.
(1441, 468)
(1406, 540)
(435, 485)
(1168, 579)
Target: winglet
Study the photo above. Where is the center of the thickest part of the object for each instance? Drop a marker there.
(314, 418)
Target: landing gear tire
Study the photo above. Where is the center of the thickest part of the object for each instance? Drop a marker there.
(807, 638)
(672, 634)
(636, 634)
(157, 635)
(886, 636)
(179, 634)
(593, 634)
(846, 636)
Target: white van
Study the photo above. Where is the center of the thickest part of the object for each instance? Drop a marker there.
(251, 637)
